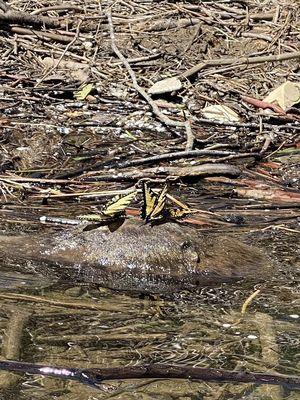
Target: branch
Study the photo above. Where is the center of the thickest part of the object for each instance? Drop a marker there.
(12, 16)
(238, 61)
(96, 376)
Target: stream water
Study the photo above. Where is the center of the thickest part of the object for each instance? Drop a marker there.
(84, 326)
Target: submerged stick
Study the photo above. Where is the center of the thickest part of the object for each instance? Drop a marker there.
(95, 376)
(269, 351)
(11, 346)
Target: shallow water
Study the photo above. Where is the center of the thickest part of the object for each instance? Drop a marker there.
(85, 326)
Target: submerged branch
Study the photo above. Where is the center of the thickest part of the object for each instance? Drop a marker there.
(95, 376)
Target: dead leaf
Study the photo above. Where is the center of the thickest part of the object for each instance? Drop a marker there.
(286, 95)
(165, 86)
(220, 113)
(76, 71)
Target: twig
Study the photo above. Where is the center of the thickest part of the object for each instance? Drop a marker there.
(62, 7)
(245, 305)
(60, 221)
(89, 194)
(155, 109)
(182, 154)
(57, 303)
(263, 104)
(254, 125)
(153, 159)
(190, 138)
(42, 35)
(248, 301)
(15, 178)
(238, 61)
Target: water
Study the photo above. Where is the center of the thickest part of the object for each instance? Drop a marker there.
(84, 326)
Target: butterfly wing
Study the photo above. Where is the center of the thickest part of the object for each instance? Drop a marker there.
(91, 217)
(177, 214)
(118, 204)
(158, 210)
(149, 201)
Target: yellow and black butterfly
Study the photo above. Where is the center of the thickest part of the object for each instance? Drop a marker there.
(153, 208)
(115, 208)
(177, 214)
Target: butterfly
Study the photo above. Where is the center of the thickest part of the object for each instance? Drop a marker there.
(113, 209)
(154, 204)
(177, 214)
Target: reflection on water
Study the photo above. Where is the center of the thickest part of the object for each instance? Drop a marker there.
(86, 326)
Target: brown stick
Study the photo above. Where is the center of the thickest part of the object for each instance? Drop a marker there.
(195, 171)
(12, 16)
(183, 154)
(263, 104)
(42, 35)
(95, 376)
(58, 303)
(182, 372)
(239, 61)
(62, 7)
